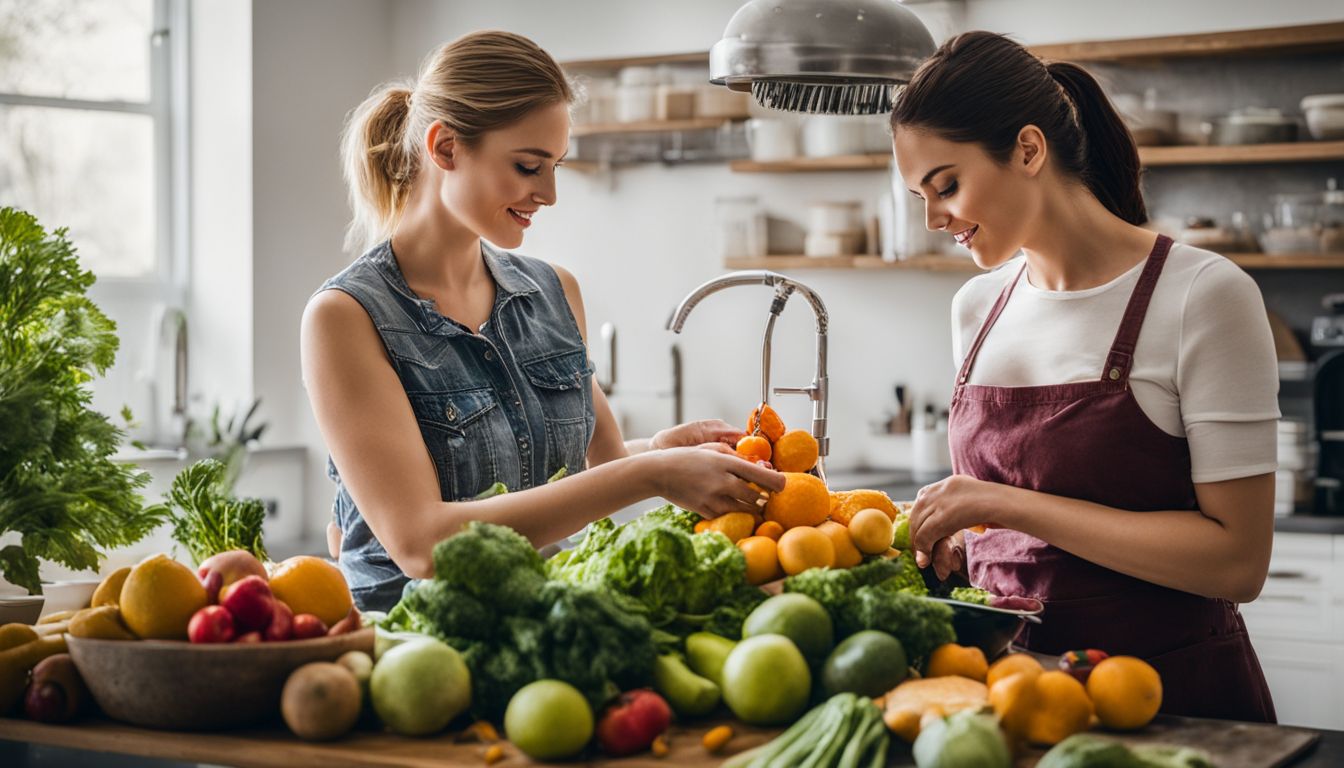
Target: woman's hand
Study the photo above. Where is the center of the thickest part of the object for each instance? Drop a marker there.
(695, 433)
(942, 511)
(712, 479)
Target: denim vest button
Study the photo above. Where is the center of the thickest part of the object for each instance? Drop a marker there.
(489, 354)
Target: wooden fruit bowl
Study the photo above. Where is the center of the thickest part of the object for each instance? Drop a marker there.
(178, 685)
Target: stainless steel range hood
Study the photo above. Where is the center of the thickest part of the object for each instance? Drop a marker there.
(821, 56)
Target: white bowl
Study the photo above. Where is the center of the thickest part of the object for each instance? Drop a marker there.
(1325, 115)
(68, 595)
(25, 609)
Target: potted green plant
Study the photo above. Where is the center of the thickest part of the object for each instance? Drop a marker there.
(60, 490)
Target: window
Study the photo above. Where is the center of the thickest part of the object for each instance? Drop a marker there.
(88, 138)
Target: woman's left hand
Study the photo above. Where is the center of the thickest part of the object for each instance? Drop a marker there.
(948, 506)
(697, 433)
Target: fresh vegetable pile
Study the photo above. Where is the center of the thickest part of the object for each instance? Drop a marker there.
(883, 594)
(686, 581)
(491, 600)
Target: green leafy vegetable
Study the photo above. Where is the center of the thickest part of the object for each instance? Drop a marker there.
(490, 599)
(687, 581)
(206, 520)
(59, 488)
(971, 595)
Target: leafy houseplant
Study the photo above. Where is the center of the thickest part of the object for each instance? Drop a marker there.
(206, 519)
(59, 488)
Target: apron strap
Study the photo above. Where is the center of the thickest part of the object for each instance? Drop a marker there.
(1121, 357)
(994, 313)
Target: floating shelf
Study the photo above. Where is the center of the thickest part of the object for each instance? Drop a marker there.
(1306, 38)
(875, 162)
(934, 262)
(649, 126)
(695, 57)
(1295, 152)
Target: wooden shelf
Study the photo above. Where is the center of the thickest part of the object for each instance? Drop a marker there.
(1295, 152)
(695, 57)
(932, 262)
(648, 126)
(874, 162)
(1307, 38)
(1288, 260)
(935, 262)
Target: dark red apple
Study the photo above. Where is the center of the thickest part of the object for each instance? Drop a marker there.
(631, 724)
(57, 693)
(306, 625)
(211, 624)
(251, 603)
(232, 566)
(282, 623)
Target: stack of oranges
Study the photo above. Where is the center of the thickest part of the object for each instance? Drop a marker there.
(805, 525)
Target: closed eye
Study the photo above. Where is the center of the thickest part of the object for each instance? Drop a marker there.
(526, 171)
(949, 191)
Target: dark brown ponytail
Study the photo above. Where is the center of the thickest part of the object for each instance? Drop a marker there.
(981, 87)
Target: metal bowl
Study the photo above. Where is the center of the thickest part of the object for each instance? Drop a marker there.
(176, 685)
(988, 628)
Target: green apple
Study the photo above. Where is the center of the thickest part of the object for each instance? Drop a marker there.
(766, 680)
(549, 720)
(419, 686)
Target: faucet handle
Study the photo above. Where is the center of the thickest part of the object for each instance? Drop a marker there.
(812, 392)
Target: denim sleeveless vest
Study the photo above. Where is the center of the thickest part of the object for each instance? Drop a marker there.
(511, 403)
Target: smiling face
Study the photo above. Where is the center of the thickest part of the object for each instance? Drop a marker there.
(986, 205)
(495, 185)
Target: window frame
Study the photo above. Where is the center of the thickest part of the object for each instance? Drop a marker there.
(169, 108)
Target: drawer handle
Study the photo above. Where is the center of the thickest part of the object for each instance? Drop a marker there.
(1294, 575)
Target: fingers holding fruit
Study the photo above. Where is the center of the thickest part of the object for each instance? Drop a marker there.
(944, 508)
(697, 433)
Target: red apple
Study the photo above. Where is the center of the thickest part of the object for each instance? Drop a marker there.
(232, 566)
(307, 625)
(211, 624)
(251, 603)
(249, 637)
(631, 724)
(282, 623)
(57, 693)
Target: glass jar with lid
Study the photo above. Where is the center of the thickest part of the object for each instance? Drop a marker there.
(1332, 218)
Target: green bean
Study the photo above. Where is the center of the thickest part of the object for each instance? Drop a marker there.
(884, 743)
(782, 741)
(861, 740)
(827, 721)
(839, 738)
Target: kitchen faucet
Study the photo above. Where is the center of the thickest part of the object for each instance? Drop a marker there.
(784, 288)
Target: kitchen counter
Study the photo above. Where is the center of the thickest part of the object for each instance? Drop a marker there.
(1309, 524)
(101, 743)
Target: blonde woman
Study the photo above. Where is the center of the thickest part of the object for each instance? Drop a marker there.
(439, 364)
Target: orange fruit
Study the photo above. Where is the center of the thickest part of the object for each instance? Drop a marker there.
(871, 531)
(159, 597)
(804, 547)
(762, 559)
(846, 504)
(846, 554)
(770, 529)
(735, 525)
(804, 501)
(312, 585)
(1013, 697)
(1011, 665)
(754, 448)
(769, 423)
(1062, 708)
(963, 661)
(795, 451)
(702, 525)
(1126, 692)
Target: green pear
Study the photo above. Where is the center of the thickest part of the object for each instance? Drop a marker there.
(706, 652)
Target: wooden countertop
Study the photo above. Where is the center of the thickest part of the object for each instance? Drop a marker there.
(1233, 745)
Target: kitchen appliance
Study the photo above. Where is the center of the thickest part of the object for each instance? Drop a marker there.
(1327, 334)
(1252, 125)
(820, 56)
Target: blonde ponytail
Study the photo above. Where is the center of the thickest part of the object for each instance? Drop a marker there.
(480, 82)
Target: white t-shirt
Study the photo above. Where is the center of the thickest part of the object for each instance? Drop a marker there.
(1204, 366)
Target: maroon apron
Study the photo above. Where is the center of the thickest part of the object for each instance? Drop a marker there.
(1090, 440)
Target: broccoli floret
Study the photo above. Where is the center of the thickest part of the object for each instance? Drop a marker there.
(493, 563)
(921, 625)
(907, 577)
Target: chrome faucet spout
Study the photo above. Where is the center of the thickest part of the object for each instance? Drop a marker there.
(785, 287)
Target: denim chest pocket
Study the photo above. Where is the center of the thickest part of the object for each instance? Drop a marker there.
(563, 384)
(461, 430)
